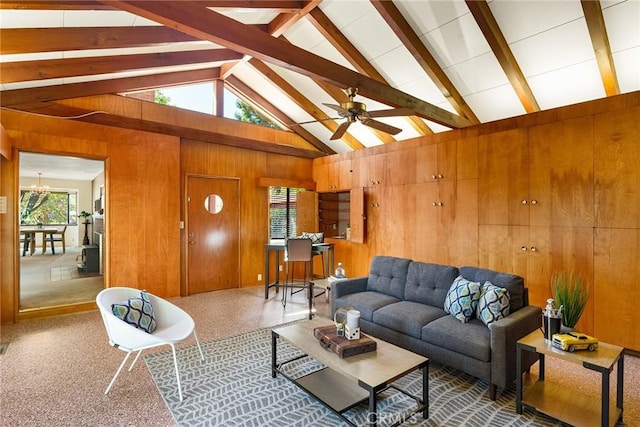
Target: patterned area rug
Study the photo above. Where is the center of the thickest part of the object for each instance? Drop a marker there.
(233, 387)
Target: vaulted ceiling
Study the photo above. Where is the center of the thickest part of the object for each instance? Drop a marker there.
(453, 63)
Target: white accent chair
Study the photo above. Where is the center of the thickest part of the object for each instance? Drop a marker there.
(174, 325)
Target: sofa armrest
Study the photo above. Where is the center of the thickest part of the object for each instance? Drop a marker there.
(349, 286)
(505, 334)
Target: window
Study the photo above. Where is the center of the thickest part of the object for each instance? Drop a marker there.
(282, 212)
(55, 208)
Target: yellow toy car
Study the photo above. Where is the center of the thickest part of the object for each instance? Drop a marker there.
(574, 341)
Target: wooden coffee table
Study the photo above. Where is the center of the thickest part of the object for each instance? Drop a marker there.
(345, 383)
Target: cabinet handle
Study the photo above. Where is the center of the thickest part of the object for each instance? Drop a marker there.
(440, 176)
(524, 248)
(439, 203)
(433, 203)
(534, 249)
(191, 242)
(534, 202)
(524, 202)
(433, 176)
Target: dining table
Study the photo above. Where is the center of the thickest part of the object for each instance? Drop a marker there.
(28, 237)
(277, 246)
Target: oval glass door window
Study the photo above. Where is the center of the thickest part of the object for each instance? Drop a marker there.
(213, 203)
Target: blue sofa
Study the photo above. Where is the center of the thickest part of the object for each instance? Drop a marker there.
(402, 302)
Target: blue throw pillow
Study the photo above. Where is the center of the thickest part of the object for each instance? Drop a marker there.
(462, 299)
(494, 303)
(136, 311)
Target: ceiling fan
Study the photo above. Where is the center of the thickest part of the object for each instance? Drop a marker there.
(357, 111)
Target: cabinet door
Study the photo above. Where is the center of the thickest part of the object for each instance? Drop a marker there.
(321, 175)
(357, 215)
(561, 173)
(503, 170)
(556, 249)
(504, 248)
(616, 272)
(458, 231)
(399, 167)
(342, 175)
(307, 212)
(435, 162)
(617, 169)
(427, 217)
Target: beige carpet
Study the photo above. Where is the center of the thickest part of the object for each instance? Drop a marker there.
(48, 280)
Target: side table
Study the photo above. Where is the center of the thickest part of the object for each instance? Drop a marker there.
(562, 402)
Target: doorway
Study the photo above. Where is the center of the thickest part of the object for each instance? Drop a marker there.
(53, 192)
(213, 234)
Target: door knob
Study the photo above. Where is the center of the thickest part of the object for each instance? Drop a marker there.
(191, 242)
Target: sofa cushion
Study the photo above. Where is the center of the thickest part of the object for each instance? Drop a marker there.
(493, 304)
(365, 302)
(471, 339)
(462, 299)
(388, 275)
(429, 283)
(513, 283)
(407, 317)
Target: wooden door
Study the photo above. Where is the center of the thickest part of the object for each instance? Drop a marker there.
(213, 234)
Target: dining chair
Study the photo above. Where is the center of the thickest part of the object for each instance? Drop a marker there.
(142, 312)
(59, 236)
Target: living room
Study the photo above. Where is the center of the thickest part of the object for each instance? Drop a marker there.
(583, 187)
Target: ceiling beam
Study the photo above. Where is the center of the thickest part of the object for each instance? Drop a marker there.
(303, 102)
(284, 6)
(54, 5)
(191, 18)
(124, 122)
(240, 88)
(601, 47)
(340, 42)
(11, 72)
(30, 40)
(129, 84)
(284, 21)
(403, 30)
(492, 33)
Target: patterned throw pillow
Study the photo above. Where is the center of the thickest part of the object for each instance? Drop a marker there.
(136, 311)
(493, 304)
(462, 299)
(315, 237)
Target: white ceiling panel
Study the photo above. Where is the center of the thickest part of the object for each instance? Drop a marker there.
(495, 103)
(59, 167)
(554, 49)
(519, 20)
(456, 41)
(427, 16)
(424, 88)
(477, 74)
(398, 66)
(99, 18)
(627, 63)
(15, 18)
(252, 16)
(344, 12)
(623, 25)
(576, 83)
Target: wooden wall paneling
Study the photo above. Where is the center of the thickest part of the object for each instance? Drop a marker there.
(617, 168)
(467, 158)
(560, 249)
(321, 175)
(400, 167)
(503, 170)
(504, 248)
(561, 173)
(616, 270)
(426, 163)
(343, 177)
(8, 234)
(399, 220)
(461, 237)
(427, 220)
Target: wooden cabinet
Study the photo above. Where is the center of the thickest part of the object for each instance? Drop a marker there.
(436, 162)
(535, 253)
(333, 176)
(616, 269)
(617, 169)
(561, 173)
(446, 217)
(334, 213)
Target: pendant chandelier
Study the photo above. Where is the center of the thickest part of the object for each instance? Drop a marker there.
(39, 189)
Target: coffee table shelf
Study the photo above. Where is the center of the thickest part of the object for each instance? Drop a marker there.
(565, 403)
(344, 383)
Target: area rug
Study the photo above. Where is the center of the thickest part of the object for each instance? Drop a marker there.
(69, 272)
(234, 387)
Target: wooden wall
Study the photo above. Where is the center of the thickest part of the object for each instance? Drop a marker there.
(144, 187)
(553, 191)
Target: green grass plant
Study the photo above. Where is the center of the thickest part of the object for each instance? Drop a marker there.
(570, 291)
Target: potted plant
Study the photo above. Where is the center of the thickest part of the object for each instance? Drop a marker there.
(570, 291)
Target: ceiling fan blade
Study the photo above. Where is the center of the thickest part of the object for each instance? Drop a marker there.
(339, 109)
(340, 131)
(391, 112)
(381, 126)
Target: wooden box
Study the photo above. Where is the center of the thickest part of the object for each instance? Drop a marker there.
(341, 346)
